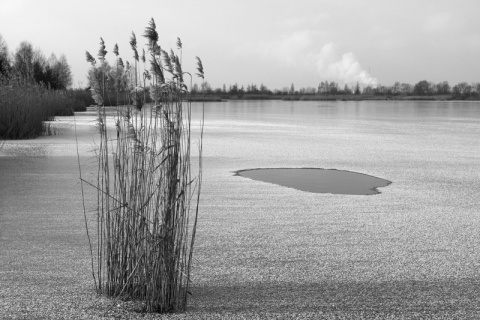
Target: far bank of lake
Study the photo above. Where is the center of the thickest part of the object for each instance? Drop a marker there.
(330, 97)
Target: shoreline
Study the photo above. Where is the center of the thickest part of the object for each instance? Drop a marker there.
(224, 98)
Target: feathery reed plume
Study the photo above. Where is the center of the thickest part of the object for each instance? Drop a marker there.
(200, 73)
(102, 52)
(151, 33)
(115, 49)
(173, 57)
(178, 70)
(133, 44)
(155, 50)
(90, 59)
(179, 47)
(167, 61)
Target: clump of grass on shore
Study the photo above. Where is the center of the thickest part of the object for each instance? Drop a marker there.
(24, 107)
(147, 195)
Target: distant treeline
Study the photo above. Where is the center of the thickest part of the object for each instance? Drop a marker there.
(423, 90)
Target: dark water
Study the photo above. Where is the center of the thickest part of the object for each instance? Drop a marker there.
(318, 180)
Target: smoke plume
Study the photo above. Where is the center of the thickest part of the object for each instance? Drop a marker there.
(343, 68)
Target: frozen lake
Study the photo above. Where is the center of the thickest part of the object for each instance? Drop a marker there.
(412, 247)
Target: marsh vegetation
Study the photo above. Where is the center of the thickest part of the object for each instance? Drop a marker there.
(147, 192)
(25, 106)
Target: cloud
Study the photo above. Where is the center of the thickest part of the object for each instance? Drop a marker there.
(300, 51)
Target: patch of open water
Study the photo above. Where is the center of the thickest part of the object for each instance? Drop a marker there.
(318, 180)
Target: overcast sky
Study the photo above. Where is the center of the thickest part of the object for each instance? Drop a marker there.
(273, 42)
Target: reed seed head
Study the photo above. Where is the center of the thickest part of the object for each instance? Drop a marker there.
(167, 61)
(102, 52)
(90, 59)
(133, 41)
(178, 69)
(173, 57)
(151, 34)
(200, 73)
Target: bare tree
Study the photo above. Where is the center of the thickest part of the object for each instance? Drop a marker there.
(4, 59)
(63, 73)
(23, 60)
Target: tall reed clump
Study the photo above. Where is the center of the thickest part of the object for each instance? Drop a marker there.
(147, 194)
(24, 106)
